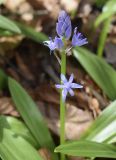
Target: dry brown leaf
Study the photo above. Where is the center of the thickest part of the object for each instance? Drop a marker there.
(53, 96)
(45, 154)
(77, 121)
(110, 52)
(70, 5)
(13, 73)
(52, 6)
(75, 158)
(24, 68)
(21, 8)
(13, 4)
(50, 97)
(26, 12)
(7, 107)
(94, 106)
(9, 43)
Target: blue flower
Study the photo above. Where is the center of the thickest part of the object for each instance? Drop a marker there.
(67, 86)
(54, 44)
(78, 39)
(63, 27)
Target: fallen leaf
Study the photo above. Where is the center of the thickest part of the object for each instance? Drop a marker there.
(52, 6)
(110, 49)
(70, 5)
(7, 107)
(13, 4)
(77, 121)
(24, 68)
(45, 154)
(94, 106)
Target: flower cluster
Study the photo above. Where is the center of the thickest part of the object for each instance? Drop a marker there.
(67, 86)
(64, 31)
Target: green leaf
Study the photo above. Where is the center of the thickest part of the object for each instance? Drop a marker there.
(108, 10)
(100, 2)
(3, 79)
(102, 73)
(1, 1)
(31, 33)
(87, 149)
(103, 36)
(9, 25)
(104, 127)
(31, 115)
(14, 147)
(20, 129)
(5, 33)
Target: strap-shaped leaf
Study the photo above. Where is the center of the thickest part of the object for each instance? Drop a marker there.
(31, 115)
(7, 24)
(87, 149)
(108, 10)
(104, 127)
(101, 72)
(3, 79)
(100, 3)
(14, 147)
(8, 27)
(20, 129)
(1, 2)
(31, 33)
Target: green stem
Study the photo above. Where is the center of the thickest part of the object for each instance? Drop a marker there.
(62, 104)
(103, 37)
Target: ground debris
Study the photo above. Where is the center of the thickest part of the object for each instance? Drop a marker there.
(45, 154)
(7, 107)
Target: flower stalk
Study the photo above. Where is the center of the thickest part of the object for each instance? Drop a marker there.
(103, 37)
(62, 104)
(64, 31)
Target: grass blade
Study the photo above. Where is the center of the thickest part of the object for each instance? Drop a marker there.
(16, 148)
(87, 149)
(103, 36)
(7, 24)
(101, 72)
(31, 33)
(108, 10)
(17, 28)
(3, 79)
(20, 129)
(104, 127)
(31, 115)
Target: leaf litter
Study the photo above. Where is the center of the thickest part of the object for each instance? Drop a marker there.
(40, 70)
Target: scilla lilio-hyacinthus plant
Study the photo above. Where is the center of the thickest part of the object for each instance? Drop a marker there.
(64, 31)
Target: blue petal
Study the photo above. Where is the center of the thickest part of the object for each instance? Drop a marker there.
(71, 92)
(58, 42)
(63, 78)
(54, 44)
(50, 44)
(82, 42)
(62, 15)
(75, 85)
(63, 27)
(64, 94)
(68, 32)
(59, 29)
(71, 78)
(59, 86)
(78, 39)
